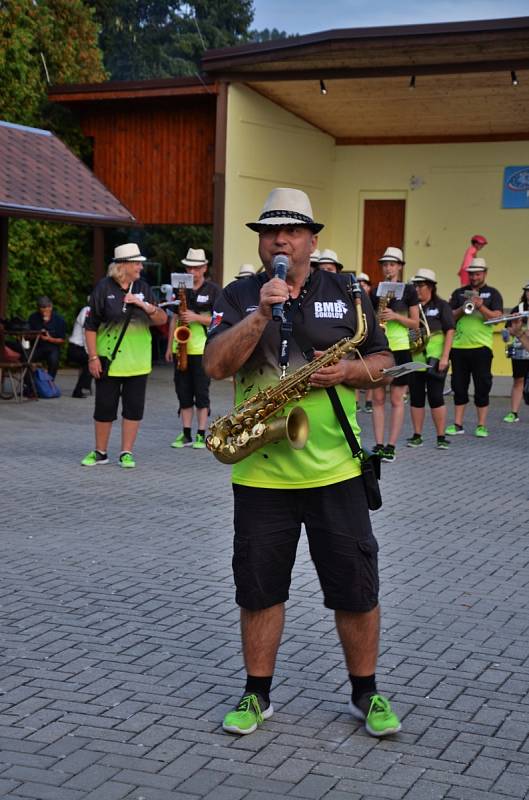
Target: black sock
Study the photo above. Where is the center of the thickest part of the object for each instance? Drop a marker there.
(441, 438)
(201, 432)
(364, 684)
(101, 452)
(187, 434)
(258, 685)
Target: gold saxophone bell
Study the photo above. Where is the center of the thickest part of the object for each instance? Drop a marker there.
(294, 427)
(182, 334)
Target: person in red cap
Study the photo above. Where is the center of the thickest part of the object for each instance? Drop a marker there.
(476, 244)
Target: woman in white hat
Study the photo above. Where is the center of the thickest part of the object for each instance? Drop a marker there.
(436, 353)
(118, 341)
(328, 261)
(398, 317)
(519, 349)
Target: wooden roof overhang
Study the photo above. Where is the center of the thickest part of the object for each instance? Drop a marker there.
(463, 89)
(73, 94)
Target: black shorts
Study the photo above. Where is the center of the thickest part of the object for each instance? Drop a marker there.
(520, 367)
(192, 386)
(401, 357)
(341, 542)
(132, 392)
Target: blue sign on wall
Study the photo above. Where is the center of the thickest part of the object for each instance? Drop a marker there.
(516, 187)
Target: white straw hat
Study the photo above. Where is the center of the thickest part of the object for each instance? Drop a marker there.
(286, 207)
(194, 258)
(127, 252)
(424, 275)
(315, 256)
(364, 277)
(477, 265)
(246, 271)
(393, 254)
(329, 256)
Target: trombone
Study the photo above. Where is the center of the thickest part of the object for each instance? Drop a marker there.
(507, 318)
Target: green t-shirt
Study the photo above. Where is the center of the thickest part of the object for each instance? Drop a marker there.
(471, 330)
(326, 315)
(398, 334)
(106, 317)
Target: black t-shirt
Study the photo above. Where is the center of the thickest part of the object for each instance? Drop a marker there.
(56, 325)
(326, 315)
(471, 331)
(438, 315)
(397, 333)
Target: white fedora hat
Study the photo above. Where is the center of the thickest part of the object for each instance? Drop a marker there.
(329, 256)
(393, 254)
(127, 252)
(286, 207)
(315, 256)
(246, 271)
(194, 258)
(364, 277)
(477, 265)
(424, 275)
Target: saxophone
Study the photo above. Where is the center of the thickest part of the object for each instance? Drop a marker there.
(383, 303)
(249, 426)
(182, 332)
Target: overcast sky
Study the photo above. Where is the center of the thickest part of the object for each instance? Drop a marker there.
(308, 16)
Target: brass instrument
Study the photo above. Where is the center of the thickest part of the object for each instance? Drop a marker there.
(182, 332)
(507, 318)
(419, 336)
(248, 426)
(469, 306)
(383, 303)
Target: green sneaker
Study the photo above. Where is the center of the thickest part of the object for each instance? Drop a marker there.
(248, 715)
(454, 430)
(181, 441)
(481, 432)
(94, 458)
(442, 443)
(379, 718)
(200, 442)
(389, 453)
(512, 416)
(415, 441)
(126, 460)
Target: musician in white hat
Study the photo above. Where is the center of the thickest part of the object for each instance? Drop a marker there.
(471, 354)
(118, 342)
(432, 348)
(398, 316)
(191, 382)
(328, 260)
(276, 487)
(518, 352)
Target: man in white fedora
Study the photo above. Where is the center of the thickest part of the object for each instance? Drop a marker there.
(246, 271)
(328, 260)
(397, 317)
(277, 488)
(471, 353)
(191, 382)
(118, 343)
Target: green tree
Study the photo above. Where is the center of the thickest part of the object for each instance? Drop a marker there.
(144, 39)
(55, 39)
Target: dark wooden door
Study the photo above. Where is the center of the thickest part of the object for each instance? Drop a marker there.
(383, 227)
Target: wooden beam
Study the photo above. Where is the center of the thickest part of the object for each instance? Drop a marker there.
(219, 184)
(347, 141)
(390, 71)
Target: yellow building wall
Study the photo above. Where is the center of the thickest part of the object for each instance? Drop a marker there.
(451, 191)
(458, 193)
(268, 147)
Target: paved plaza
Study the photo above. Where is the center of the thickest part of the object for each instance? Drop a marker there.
(120, 642)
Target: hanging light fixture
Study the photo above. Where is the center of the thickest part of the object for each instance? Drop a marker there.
(412, 83)
(514, 79)
(323, 88)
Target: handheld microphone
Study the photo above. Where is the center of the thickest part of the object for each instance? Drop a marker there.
(280, 267)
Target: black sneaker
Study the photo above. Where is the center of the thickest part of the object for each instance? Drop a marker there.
(378, 449)
(415, 441)
(388, 454)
